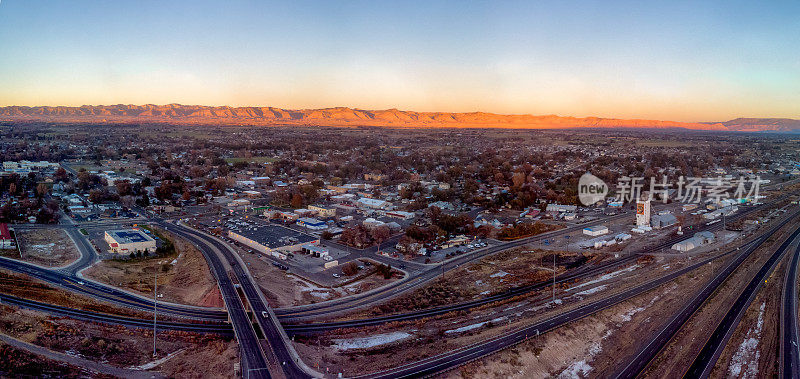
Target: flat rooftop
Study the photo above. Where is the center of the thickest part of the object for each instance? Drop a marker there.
(129, 236)
(273, 236)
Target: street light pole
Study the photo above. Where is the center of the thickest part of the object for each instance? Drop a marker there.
(155, 308)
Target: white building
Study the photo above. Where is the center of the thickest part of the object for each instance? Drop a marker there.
(594, 231)
(129, 240)
(401, 214)
(373, 203)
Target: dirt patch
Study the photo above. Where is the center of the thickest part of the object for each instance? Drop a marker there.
(20, 363)
(491, 275)
(47, 247)
(183, 277)
(214, 359)
(114, 345)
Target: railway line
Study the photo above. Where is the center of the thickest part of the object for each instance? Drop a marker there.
(665, 334)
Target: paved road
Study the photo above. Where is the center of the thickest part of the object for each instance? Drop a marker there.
(277, 349)
(789, 352)
(254, 364)
(108, 293)
(217, 327)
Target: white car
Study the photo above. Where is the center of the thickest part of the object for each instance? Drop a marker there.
(264, 314)
(336, 275)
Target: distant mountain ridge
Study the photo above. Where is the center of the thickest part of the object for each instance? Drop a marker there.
(343, 116)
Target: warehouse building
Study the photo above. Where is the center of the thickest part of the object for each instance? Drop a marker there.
(275, 240)
(129, 240)
(699, 239)
(594, 231)
(661, 221)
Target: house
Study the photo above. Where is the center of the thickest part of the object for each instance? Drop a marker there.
(443, 205)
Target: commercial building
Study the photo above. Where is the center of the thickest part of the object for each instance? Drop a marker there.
(126, 241)
(312, 223)
(275, 240)
(324, 212)
(594, 231)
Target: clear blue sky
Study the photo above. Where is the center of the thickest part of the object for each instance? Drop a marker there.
(696, 61)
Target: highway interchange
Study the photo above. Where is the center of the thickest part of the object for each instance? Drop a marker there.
(274, 353)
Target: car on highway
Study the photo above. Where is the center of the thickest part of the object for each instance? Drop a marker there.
(264, 314)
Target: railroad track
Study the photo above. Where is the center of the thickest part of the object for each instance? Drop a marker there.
(662, 338)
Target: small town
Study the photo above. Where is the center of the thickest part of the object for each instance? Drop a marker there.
(416, 189)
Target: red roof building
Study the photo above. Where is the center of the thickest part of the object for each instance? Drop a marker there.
(6, 240)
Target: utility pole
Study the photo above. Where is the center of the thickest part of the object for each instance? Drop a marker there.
(155, 308)
(554, 279)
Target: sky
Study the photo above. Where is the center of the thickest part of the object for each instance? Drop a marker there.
(670, 60)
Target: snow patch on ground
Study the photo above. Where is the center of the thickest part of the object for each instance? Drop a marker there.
(157, 362)
(371, 341)
(321, 295)
(627, 316)
(516, 306)
(605, 277)
(499, 274)
(582, 368)
(591, 290)
(744, 362)
(473, 326)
